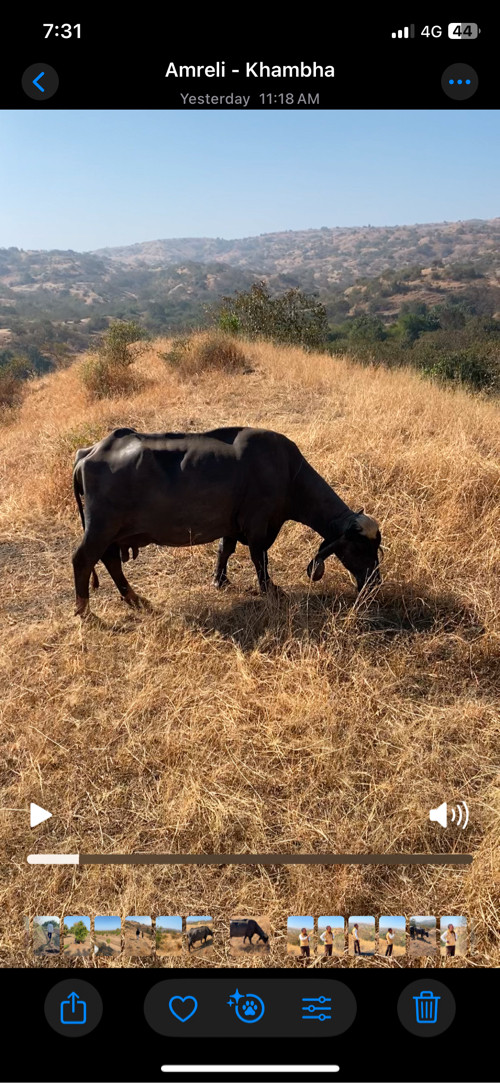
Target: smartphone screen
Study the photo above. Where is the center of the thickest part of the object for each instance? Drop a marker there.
(249, 504)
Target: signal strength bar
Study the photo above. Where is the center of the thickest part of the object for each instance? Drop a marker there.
(406, 32)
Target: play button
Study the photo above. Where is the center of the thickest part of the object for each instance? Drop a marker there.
(38, 815)
(40, 82)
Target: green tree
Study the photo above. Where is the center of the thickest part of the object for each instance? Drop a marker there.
(292, 317)
(80, 932)
(411, 325)
(367, 328)
(116, 340)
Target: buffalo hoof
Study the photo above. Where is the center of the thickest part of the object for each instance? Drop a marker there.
(273, 591)
(82, 608)
(132, 599)
(220, 584)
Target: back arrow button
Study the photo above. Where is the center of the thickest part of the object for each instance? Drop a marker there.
(40, 82)
(36, 82)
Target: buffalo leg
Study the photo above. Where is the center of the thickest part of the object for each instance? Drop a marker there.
(85, 557)
(258, 554)
(111, 560)
(226, 549)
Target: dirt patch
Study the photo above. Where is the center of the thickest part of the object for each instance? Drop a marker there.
(139, 939)
(168, 942)
(417, 948)
(108, 944)
(72, 947)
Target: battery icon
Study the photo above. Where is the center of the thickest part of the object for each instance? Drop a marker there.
(463, 31)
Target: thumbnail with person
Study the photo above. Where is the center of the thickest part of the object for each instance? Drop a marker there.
(361, 935)
(391, 936)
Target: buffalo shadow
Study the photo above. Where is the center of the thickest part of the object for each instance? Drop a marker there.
(307, 614)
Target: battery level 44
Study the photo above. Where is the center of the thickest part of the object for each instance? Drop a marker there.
(463, 31)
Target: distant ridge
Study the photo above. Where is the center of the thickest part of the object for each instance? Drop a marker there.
(169, 284)
(337, 251)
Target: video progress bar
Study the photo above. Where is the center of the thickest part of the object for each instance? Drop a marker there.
(248, 1069)
(249, 859)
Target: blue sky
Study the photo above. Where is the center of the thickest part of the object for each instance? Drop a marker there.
(295, 922)
(335, 921)
(69, 921)
(169, 923)
(87, 179)
(103, 922)
(198, 917)
(388, 921)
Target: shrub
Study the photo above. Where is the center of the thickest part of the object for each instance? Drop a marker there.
(413, 324)
(293, 317)
(11, 390)
(115, 342)
(106, 373)
(13, 373)
(366, 328)
(206, 351)
(103, 378)
(476, 368)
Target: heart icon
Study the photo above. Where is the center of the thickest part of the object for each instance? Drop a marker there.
(183, 1014)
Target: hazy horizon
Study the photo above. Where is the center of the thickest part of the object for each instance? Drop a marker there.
(252, 236)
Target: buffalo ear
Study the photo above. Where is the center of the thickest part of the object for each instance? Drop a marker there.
(360, 512)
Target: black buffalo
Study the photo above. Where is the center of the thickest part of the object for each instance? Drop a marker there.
(200, 933)
(418, 932)
(247, 929)
(238, 484)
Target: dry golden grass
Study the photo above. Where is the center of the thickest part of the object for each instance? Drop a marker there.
(104, 378)
(206, 351)
(229, 722)
(168, 942)
(366, 941)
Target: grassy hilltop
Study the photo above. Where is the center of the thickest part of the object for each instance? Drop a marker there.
(229, 722)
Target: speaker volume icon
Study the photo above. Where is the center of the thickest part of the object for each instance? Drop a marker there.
(459, 816)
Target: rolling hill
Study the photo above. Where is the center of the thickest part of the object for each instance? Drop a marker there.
(65, 285)
(53, 304)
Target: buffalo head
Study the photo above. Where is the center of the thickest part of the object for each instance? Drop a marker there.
(356, 548)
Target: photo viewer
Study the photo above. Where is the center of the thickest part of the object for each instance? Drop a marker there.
(249, 429)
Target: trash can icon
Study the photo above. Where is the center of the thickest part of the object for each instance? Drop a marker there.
(426, 1006)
